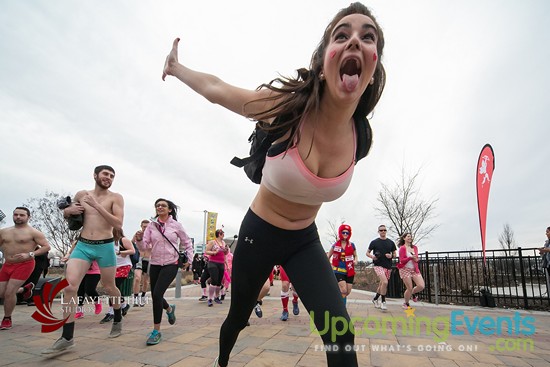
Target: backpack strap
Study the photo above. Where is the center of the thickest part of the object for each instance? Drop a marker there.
(267, 138)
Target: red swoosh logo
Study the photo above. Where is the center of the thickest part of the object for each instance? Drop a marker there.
(44, 314)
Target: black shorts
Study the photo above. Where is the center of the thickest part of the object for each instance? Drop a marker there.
(144, 266)
(344, 278)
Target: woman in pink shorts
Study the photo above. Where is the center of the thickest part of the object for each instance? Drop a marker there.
(408, 268)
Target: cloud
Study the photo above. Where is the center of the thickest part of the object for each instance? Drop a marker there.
(81, 86)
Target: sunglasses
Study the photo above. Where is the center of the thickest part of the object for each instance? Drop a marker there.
(382, 230)
(345, 232)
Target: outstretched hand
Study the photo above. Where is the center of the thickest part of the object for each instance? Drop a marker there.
(171, 59)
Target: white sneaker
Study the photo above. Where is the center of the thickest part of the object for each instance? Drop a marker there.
(376, 303)
(383, 306)
(60, 345)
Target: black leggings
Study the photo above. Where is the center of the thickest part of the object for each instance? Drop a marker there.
(216, 273)
(205, 276)
(161, 277)
(260, 247)
(88, 286)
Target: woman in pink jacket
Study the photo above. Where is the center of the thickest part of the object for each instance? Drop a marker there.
(164, 237)
(408, 268)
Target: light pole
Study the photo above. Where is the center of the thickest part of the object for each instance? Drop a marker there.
(204, 229)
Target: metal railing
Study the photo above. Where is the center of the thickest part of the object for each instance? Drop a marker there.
(514, 278)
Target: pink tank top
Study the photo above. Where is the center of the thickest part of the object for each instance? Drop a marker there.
(287, 176)
(219, 257)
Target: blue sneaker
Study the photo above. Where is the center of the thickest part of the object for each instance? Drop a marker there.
(171, 315)
(154, 338)
(284, 316)
(295, 308)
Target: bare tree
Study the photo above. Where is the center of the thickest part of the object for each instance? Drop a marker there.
(332, 232)
(46, 217)
(507, 240)
(2, 217)
(403, 206)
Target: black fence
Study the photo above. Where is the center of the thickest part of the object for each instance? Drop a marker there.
(507, 278)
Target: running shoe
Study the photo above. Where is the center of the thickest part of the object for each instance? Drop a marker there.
(405, 306)
(60, 345)
(415, 298)
(203, 298)
(6, 324)
(142, 301)
(216, 364)
(116, 330)
(376, 303)
(295, 308)
(222, 297)
(172, 315)
(137, 301)
(98, 308)
(383, 306)
(27, 291)
(108, 318)
(284, 316)
(79, 315)
(258, 310)
(218, 300)
(154, 337)
(210, 304)
(125, 309)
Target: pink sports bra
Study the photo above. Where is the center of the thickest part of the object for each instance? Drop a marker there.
(287, 176)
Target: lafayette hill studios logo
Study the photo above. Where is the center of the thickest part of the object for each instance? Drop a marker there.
(43, 303)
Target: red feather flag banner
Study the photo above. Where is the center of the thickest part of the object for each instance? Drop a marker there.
(484, 177)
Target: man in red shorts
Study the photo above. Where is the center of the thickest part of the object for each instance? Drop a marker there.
(20, 244)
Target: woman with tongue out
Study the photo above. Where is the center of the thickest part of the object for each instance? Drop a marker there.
(312, 163)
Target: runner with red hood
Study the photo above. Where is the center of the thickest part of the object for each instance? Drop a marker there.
(343, 257)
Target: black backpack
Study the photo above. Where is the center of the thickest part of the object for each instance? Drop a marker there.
(261, 140)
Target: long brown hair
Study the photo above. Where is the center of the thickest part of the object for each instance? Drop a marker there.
(402, 239)
(296, 97)
(118, 233)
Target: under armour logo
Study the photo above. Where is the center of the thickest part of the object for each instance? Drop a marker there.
(246, 239)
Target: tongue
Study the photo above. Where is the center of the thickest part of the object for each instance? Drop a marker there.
(350, 82)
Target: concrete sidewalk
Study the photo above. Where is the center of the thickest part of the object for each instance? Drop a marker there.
(193, 340)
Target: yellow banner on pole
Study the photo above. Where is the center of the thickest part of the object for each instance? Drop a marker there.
(211, 226)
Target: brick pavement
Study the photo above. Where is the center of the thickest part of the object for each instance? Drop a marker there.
(193, 340)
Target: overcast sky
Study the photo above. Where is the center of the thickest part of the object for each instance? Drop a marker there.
(81, 86)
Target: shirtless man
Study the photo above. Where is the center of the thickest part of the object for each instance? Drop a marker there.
(141, 271)
(20, 244)
(103, 210)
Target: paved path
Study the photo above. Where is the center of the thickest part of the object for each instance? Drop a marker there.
(193, 340)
